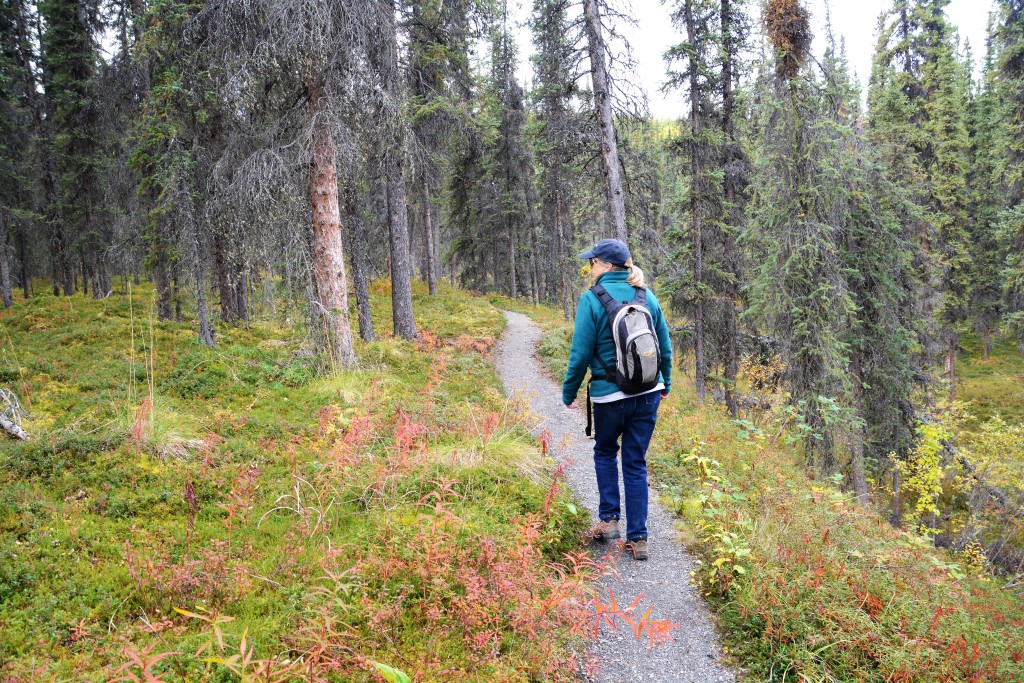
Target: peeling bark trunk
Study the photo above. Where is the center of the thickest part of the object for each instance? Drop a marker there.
(603, 108)
(328, 257)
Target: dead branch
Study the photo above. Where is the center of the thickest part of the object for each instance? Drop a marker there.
(10, 415)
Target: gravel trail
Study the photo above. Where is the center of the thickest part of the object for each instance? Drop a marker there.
(693, 656)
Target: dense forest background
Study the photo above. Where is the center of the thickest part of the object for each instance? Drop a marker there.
(254, 157)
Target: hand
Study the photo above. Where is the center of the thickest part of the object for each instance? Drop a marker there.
(570, 406)
(664, 395)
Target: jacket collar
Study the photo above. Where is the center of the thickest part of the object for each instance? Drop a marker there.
(613, 276)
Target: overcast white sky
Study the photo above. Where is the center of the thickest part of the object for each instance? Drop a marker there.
(855, 20)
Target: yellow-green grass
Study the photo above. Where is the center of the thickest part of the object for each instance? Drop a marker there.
(994, 386)
(332, 518)
(808, 585)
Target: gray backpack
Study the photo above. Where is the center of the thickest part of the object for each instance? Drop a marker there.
(637, 353)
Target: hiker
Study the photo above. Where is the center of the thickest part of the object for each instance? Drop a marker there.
(625, 404)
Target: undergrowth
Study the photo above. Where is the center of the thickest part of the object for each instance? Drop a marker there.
(807, 584)
(193, 514)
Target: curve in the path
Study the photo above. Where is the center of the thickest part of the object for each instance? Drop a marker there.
(693, 656)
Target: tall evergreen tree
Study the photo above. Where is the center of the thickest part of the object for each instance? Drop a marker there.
(918, 117)
(798, 290)
(558, 132)
(394, 160)
(69, 65)
(717, 168)
(15, 146)
(987, 124)
(1010, 37)
(172, 137)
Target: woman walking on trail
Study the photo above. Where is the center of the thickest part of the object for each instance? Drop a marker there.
(630, 373)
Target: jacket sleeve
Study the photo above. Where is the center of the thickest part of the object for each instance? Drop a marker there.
(665, 342)
(582, 352)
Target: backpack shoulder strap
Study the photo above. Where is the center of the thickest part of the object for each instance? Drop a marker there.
(609, 303)
(641, 297)
(612, 307)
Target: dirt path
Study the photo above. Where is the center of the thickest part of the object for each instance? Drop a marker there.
(694, 655)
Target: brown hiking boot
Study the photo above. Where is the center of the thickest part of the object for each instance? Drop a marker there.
(639, 548)
(608, 529)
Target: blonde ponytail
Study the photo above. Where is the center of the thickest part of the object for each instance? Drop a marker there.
(636, 276)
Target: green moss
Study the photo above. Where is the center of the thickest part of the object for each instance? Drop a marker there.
(99, 542)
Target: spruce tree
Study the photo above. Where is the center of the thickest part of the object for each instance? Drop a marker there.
(69, 65)
(918, 119)
(798, 291)
(987, 124)
(1010, 37)
(15, 145)
(556, 132)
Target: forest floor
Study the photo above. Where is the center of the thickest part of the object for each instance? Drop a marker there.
(806, 584)
(238, 513)
(994, 386)
(662, 583)
(202, 515)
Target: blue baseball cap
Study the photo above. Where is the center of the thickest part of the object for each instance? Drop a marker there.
(614, 252)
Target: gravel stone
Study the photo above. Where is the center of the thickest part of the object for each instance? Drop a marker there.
(694, 656)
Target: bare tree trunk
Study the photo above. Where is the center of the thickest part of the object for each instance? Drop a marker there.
(227, 294)
(205, 329)
(176, 289)
(430, 269)
(360, 263)
(513, 289)
(394, 165)
(66, 269)
(859, 480)
(241, 283)
(897, 506)
(5, 267)
(603, 106)
(328, 257)
(953, 342)
(401, 269)
(696, 212)
(730, 250)
(162, 277)
(23, 260)
(435, 248)
(531, 225)
(560, 257)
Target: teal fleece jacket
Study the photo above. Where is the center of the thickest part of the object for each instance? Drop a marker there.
(593, 334)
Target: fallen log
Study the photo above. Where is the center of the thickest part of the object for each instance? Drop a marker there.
(11, 428)
(10, 409)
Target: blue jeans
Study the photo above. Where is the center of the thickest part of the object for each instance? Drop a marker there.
(632, 419)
